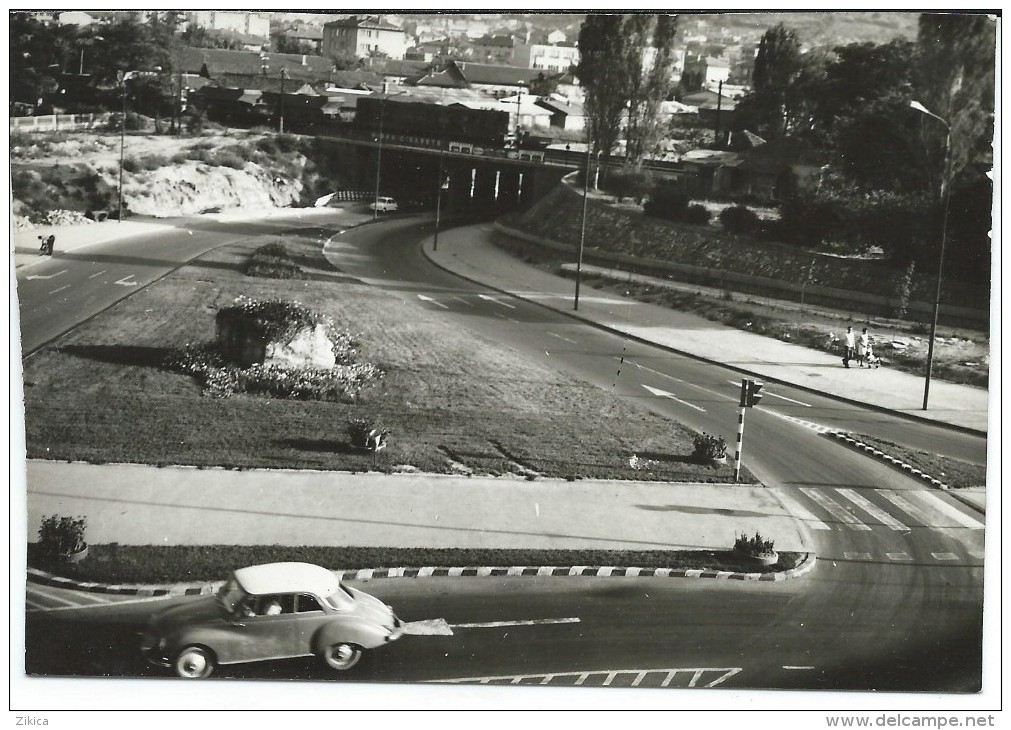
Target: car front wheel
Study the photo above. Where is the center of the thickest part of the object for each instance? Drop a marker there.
(194, 662)
(342, 656)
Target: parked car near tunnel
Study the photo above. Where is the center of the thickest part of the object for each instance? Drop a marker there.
(272, 611)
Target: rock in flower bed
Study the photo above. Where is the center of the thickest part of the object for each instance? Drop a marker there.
(279, 349)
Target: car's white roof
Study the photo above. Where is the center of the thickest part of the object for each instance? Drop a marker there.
(287, 578)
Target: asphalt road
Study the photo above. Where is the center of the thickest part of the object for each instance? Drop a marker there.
(895, 602)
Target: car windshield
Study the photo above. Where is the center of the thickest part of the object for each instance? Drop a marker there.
(341, 599)
(231, 595)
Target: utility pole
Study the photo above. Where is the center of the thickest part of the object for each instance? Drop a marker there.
(582, 227)
(443, 183)
(281, 125)
(719, 106)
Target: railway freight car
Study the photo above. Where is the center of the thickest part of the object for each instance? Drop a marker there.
(431, 125)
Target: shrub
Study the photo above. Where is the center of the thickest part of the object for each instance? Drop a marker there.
(666, 201)
(709, 447)
(739, 219)
(627, 182)
(228, 158)
(153, 162)
(697, 215)
(62, 535)
(131, 164)
(756, 545)
(361, 430)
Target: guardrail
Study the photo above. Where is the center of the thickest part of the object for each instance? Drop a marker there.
(54, 123)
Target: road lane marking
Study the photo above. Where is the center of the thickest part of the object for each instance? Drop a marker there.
(665, 394)
(573, 342)
(530, 622)
(423, 298)
(60, 289)
(899, 557)
(115, 604)
(496, 301)
(799, 512)
(462, 301)
(775, 395)
(32, 277)
(941, 506)
(51, 596)
(944, 556)
(125, 281)
(98, 274)
(908, 507)
(713, 393)
(836, 510)
(857, 556)
(799, 667)
(872, 509)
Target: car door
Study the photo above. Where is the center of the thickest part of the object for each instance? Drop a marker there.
(309, 617)
(265, 634)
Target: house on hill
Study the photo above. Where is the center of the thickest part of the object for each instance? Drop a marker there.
(493, 80)
(362, 37)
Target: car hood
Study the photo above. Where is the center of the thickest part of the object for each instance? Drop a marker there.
(371, 608)
(201, 610)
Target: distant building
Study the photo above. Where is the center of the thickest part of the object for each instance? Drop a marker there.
(547, 57)
(362, 37)
(493, 49)
(253, 24)
(495, 81)
(564, 115)
(311, 35)
(556, 37)
(75, 17)
(705, 72)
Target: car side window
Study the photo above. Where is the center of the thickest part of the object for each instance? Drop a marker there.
(307, 603)
(276, 605)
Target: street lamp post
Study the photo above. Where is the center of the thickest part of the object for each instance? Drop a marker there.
(582, 227)
(281, 123)
(946, 194)
(438, 203)
(122, 136)
(519, 98)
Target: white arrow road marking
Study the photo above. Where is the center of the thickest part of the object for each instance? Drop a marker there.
(48, 276)
(423, 298)
(665, 394)
(530, 622)
(774, 395)
(98, 274)
(428, 627)
(60, 289)
(678, 380)
(495, 301)
(125, 281)
(562, 338)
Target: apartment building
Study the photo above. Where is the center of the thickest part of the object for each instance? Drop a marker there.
(362, 37)
(254, 24)
(560, 57)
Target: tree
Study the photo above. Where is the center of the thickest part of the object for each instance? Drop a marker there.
(955, 80)
(650, 57)
(777, 65)
(601, 45)
(626, 62)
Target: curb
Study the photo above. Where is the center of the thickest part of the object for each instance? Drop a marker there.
(572, 315)
(807, 563)
(922, 476)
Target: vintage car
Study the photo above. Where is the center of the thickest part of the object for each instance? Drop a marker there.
(384, 205)
(272, 611)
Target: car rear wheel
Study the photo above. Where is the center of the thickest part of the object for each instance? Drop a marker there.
(342, 656)
(194, 662)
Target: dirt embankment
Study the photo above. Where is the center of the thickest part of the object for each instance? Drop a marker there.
(71, 178)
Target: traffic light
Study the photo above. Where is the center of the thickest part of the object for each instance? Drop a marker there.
(753, 393)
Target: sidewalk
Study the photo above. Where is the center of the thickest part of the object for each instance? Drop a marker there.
(144, 505)
(468, 252)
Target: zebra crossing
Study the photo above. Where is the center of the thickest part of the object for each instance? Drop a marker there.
(40, 597)
(844, 508)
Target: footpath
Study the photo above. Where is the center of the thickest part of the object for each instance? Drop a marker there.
(134, 504)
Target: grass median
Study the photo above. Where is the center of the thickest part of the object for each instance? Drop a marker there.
(456, 401)
(141, 564)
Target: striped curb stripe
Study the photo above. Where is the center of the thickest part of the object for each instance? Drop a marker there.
(806, 564)
(846, 438)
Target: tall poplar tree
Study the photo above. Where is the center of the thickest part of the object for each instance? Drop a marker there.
(603, 77)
